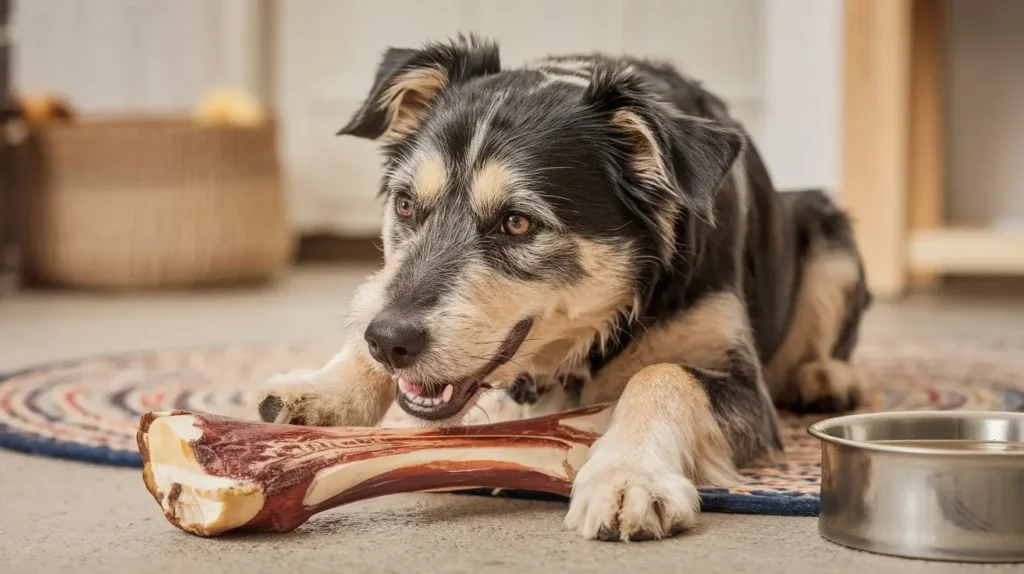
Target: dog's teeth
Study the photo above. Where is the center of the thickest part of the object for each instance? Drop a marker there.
(413, 394)
(409, 387)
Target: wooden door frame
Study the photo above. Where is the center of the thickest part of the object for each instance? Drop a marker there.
(893, 169)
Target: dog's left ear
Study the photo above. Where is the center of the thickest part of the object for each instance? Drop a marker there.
(678, 158)
(408, 82)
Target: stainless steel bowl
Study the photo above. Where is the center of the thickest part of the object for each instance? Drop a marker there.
(942, 485)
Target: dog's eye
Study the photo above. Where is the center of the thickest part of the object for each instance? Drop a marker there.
(516, 225)
(404, 206)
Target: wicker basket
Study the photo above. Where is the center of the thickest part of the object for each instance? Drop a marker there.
(150, 204)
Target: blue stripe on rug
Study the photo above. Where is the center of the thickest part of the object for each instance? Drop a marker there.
(712, 500)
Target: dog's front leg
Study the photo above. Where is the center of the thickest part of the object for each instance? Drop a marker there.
(348, 391)
(640, 480)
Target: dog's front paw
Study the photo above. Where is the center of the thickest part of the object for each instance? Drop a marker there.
(287, 398)
(524, 390)
(614, 500)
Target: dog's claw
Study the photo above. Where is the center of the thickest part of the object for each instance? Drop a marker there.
(270, 407)
(608, 534)
(524, 390)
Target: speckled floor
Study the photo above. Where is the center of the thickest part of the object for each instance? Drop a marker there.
(58, 516)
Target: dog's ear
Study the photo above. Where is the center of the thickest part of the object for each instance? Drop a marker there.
(409, 81)
(678, 158)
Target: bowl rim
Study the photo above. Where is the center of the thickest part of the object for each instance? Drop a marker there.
(818, 431)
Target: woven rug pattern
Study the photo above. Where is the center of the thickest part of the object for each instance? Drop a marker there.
(88, 409)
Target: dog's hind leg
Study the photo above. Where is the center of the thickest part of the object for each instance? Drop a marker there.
(811, 371)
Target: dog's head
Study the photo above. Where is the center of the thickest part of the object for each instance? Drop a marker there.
(525, 213)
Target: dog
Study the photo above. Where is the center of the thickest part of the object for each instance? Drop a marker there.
(601, 228)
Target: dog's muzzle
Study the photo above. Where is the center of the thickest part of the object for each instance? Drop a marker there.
(438, 400)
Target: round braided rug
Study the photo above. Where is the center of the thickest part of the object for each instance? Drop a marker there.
(88, 409)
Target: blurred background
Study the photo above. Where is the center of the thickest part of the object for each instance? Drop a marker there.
(178, 221)
(171, 164)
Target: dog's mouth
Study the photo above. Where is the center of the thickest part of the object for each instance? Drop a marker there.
(444, 399)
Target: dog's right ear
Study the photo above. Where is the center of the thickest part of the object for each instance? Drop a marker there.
(409, 81)
(681, 160)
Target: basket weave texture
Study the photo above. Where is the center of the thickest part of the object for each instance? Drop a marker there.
(150, 204)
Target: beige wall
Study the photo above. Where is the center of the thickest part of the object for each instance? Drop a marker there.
(775, 61)
(113, 56)
(329, 49)
(118, 56)
(986, 112)
(802, 74)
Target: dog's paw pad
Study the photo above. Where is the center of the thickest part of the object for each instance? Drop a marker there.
(621, 503)
(286, 397)
(270, 408)
(524, 390)
(829, 386)
(289, 410)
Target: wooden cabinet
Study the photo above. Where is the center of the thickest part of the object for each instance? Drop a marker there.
(8, 255)
(897, 145)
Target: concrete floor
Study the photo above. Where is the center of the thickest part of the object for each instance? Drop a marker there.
(60, 516)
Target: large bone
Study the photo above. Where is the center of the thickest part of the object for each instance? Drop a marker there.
(214, 474)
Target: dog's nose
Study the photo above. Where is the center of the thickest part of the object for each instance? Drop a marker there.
(395, 342)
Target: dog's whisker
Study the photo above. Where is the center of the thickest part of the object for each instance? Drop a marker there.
(500, 342)
(503, 359)
(484, 411)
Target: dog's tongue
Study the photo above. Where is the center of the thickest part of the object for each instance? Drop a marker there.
(410, 388)
(415, 390)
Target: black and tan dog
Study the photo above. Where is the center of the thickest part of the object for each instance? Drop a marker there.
(602, 228)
